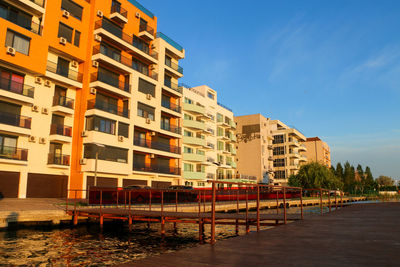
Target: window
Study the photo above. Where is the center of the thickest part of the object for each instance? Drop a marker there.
(168, 61)
(77, 38)
(110, 52)
(220, 145)
(279, 175)
(108, 153)
(73, 8)
(116, 6)
(279, 163)
(123, 129)
(19, 42)
(95, 123)
(220, 131)
(147, 88)
(188, 183)
(220, 117)
(13, 82)
(146, 111)
(278, 139)
(188, 117)
(201, 184)
(18, 17)
(187, 133)
(167, 80)
(280, 150)
(8, 146)
(65, 31)
(188, 150)
(210, 95)
(62, 67)
(188, 167)
(187, 100)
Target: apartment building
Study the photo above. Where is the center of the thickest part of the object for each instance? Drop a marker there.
(287, 151)
(209, 140)
(317, 151)
(82, 80)
(254, 153)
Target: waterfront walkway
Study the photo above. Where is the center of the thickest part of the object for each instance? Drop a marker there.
(357, 235)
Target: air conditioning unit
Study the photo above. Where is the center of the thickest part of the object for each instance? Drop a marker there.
(100, 13)
(65, 14)
(83, 134)
(45, 111)
(11, 50)
(148, 96)
(137, 15)
(32, 139)
(83, 161)
(74, 64)
(97, 38)
(47, 83)
(120, 138)
(153, 46)
(148, 121)
(35, 108)
(152, 156)
(93, 91)
(152, 67)
(63, 41)
(38, 80)
(95, 64)
(153, 133)
(42, 140)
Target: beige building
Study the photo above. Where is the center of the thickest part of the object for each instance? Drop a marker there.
(254, 134)
(209, 140)
(317, 151)
(287, 149)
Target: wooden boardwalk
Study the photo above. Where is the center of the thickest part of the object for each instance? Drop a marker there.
(357, 235)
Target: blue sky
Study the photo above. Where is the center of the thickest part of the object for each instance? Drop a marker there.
(330, 68)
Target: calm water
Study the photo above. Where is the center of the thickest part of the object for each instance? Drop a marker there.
(86, 245)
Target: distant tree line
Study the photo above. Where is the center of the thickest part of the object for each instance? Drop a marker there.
(347, 178)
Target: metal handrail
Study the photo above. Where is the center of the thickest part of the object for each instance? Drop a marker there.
(108, 79)
(110, 108)
(13, 153)
(15, 120)
(58, 159)
(146, 28)
(63, 101)
(119, 10)
(16, 87)
(173, 86)
(174, 66)
(171, 128)
(156, 145)
(171, 106)
(66, 72)
(61, 130)
(156, 168)
(23, 22)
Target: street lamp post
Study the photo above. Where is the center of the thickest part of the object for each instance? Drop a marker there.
(98, 148)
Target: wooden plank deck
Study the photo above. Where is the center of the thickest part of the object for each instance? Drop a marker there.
(358, 235)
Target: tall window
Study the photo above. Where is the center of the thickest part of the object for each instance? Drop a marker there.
(146, 111)
(63, 67)
(110, 52)
(100, 124)
(168, 61)
(11, 81)
(147, 88)
(278, 139)
(8, 146)
(73, 8)
(77, 38)
(65, 31)
(123, 129)
(108, 153)
(19, 42)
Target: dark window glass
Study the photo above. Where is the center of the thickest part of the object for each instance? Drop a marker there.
(110, 52)
(147, 88)
(19, 42)
(95, 123)
(108, 153)
(123, 129)
(65, 31)
(73, 8)
(77, 38)
(63, 67)
(145, 111)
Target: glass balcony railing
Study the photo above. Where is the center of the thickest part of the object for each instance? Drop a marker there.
(157, 145)
(173, 86)
(13, 153)
(38, 2)
(146, 28)
(118, 9)
(64, 71)
(174, 66)
(22, 21)
(171, 106)
(16, 87)
(58, 159)
(61, 130)
(63, 101)
(156, 168)
(171, 128)
(169, 40)
(15, 120)
(107, 107)
(110, 80)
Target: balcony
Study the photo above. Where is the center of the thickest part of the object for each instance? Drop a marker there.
(208, 131)
(223, 124)
(104, 106)
(194, 109)
(194, 125)
(303, 158)
(174, 69)
(194, 157)
(36, 6)
(155, 168)
(62, 104)
(144, 69)
(16, 123)
(109, 83)
(130, 42)
(171, 106)
(233, 125)
(302, 148)
(173, 86)
(171, 128)
(146, 32)
(233, 151)
(58, 159)
(13, 153)
(16, 87)
(21, 21)
(70, 77)
(194, 175)
(233, 138)
(119, 14)
(194, 141)
(176, 48)
(60, 133)
(157, 145)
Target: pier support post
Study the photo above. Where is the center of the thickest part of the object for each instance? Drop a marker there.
(301, 203)
(213, 213)
(130, 222)
(201, 229)
(247, 212)
(329, 199)
(320, 202)
(237, 210)
(284, 206)
(101, 221)
(162, 226)
(75, 219)
(258, 208)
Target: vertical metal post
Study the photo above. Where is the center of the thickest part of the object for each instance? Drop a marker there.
(247, 211)
(301, 203)
(237, 209)
(213, 214)
(341, 199)
(258, 208)
(277, 202)
(117, 197)
(66, 201)
(101, 215)
(320, 197)
(335, 201)
(125, 199)
(75, 215)
(95, 167)
(162, 214)
(284, 205)
(150, 200)
(329, 200)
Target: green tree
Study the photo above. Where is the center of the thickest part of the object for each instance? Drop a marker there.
(370, 183)
(361, 182)
(385, 181)
(339, 171)
(348, 177)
